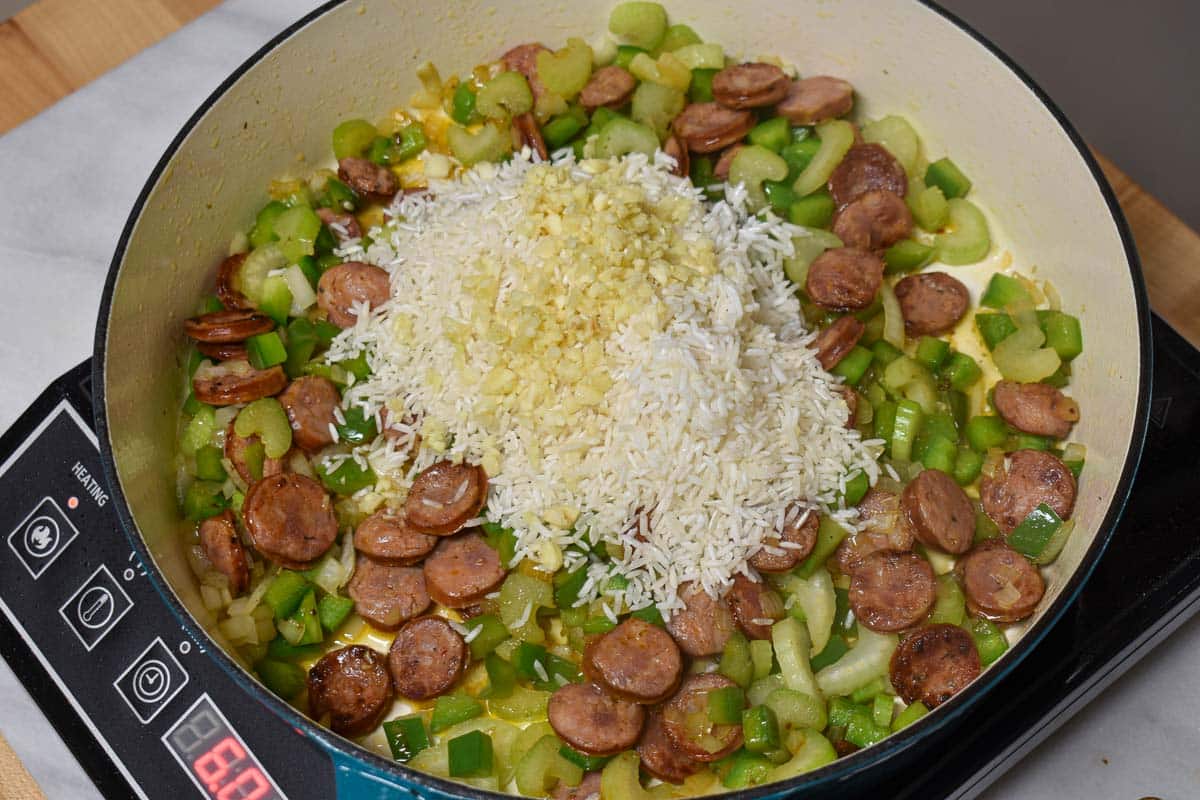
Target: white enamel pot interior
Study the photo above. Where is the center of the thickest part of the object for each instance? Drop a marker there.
(1050, 211)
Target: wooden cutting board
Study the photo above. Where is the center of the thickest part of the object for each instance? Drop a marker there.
(54, 47)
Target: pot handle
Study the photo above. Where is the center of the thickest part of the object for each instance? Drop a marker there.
(353, 781)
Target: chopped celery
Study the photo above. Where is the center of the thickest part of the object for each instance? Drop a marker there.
(202, 500)
(504, 96)
(470, 755)
(451, 709)
(932, 352)
(462, 105)
(622, 136)
(929, 208)
(654, 106)
(898, 137)
(814, 211)
(208, 464)
(561, 129)
(994, 328)
(905, 429)
(885, 420)
(837, 137)
(909, 715)
(867, 660)
(565, 72)
(725, 705)
(265, 350)
(281, 677)
(625, 55)
(864, 693)
(520, 598)
(893, 316)
(736, 662)
(797, 709)
(405, 736)
(792, 647)
(297, 230)
(751, 166)
(816, 598)
(814, 751)
(678, 36)
(352, 138)
(968, 239)
(946, 175)
(950, 606)
(263, 231)
(700, 89)
(762, 656)
(746, 769)
(488, 144)
(829, 536)
(854, 365)
(1022, 357)
(275, 299)
(640, 24)
(907, 255)
(885, 353)
(1003, 291)
(524, 704)
(199, 430)
(541, 767)
(266, 419)
(333, 610)
(773, 134)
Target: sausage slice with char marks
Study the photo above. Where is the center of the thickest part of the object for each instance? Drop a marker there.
(427, 658)
(1000, 583)
(931, 302)
(676, 150)
(387, 595)
(352, 686)
(939, 511)
(1035, 408)
(751, 85)
(709, 127)
(233, 382)
(523, 59)
(343, 225)
(661, 757)
(386, 537)
(368, 179)
(223, 351)
(1030, 478)
(703, 625)
(310, 402)
(725, 161)
(221, 544)
(228, 277)
(800, 529)
(526, 133)
(883, 528)
(685, 718)
(850, 397)
(588, 788)
(755, 606)
(224, 327)
(346, 285)
(609, 87)
(835, 342)
(844, 279)
(816, 99)
(892, 591)
(866, 168)
(462, 569)
(290, 519)
(934, 663)
(445, 497)
(593, 721)
(636, 660)
(874, 221)
(235, 451)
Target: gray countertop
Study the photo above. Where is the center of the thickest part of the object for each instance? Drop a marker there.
(1124, 73)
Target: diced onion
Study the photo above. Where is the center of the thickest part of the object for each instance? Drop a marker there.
(893, 319)
(865, 662)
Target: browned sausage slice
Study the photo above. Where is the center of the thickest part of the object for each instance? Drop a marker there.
(850, 398)
(939, 511)
(343, 225)
(385, 536)
(235, 451)
(345, 286)
(227, 326)
(754, 605)
(709, 127)
(426, 658)
(751, 85)
(445, 497)
(290, 519)
(844, 279)
(386, 595)
(934, 663)
(1030, 478)
(352, 686)
(588, 788)
(703, 625)
(232, 382)
(1035, 408)
(609, 87)
(528, 134)
(725, 161)
(661, 757)
(594, 722)
(800, 533)
(637, 661)
(836, 341)
(675, 149)
(866, 168)
(223, 351)
(816, 99)
(368, 179)
(223, 547)
(523, 59)
(931, 302)
(1000, 583)
(874, 221)
(462, 569)
(310, 402)
(228, 278)
(883, 528)
(892, 591)
(685, 718)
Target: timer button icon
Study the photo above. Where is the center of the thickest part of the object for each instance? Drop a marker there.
(152, 681)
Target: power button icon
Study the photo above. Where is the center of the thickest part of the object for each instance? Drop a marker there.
(42, 537)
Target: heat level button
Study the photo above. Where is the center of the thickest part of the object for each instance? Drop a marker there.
(96, 607)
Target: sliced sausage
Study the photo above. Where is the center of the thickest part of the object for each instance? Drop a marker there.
(462, 569)
(725, 161)
(875, 221)
(882, 527)
(661, 757)
(755, 606)
(445, 497)
(703, 625)
(228, 278)
(290, 519)
(593, 721)
(751, 85)
(892, 591)
(835, 342)
(934, 663)
(352, 687)
(310, 403)
(527, 134)
(931, 302)
(385, 536)
(609, 87)
(866, 168)
(227, 326)
(636, 660)
(588, 788)
(387, 595)
(685, 718)
(1035, 408)
(223, 351)
(235, 451)
(368, 179)
(844, 279)
(800, 535)
(1030, 478)
(1000, 583)
(675, 149)
(427, 658)
(939, 511)
(523, 59)
(233, 382)
(343, 225)
(709, 127)
(850, 398)
(816, 99)
(344, 287)
(223, 547)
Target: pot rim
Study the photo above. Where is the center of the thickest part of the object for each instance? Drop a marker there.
(843, 768)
